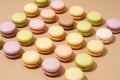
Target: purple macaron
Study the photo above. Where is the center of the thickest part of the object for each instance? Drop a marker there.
(51, 66)
(8, 29)
(114, 25)
(12, 49)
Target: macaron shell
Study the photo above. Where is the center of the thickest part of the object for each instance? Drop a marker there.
(76, 11)
(41, 3)
(44, 45)
(74, 39)
(96, 47)
(84, 61)
(104, 34)
(66, 21)
(31, 59)
(7, 27)
(30, 8)
(58, 6)
(56, 32)
(37, 24)
(64, 52)
(94, 16)
(18, 17)
(25, 37)
(74, 74)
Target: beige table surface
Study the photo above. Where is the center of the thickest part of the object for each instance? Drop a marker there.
(105, 67)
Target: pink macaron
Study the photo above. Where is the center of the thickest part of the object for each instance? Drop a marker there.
(8, 29)
(58, 6)
(51, 67)
(114, 25)
(12, 49)
(37, 26)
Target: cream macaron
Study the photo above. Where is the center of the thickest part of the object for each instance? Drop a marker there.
(31, 10)
(31, 59)
(56, 33)
(44, 45)
(105, 35)
(75, 40)
(95, 48)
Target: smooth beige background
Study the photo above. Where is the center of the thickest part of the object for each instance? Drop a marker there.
(106, 67)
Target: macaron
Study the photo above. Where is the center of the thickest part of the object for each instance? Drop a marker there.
(48, 15)
(8, 29)
(12, 49)
(75, 40)
(66, 22)
(58, 6)
(37, 26)
(64, 53)
(25, 37)
(77, 12)
(31, 59)
(84, 28)
(74, 73)
(105, 35)
(19, 19)
(44, 45)
(41, 3)
(56, 33)
(114, 25)
(84, 61)
(95, 48)
(31, 10)
(1, 42)
(51, 67)
(95, 18)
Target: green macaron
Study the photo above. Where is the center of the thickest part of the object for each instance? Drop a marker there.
(41, 3)
(95, 18)
(84, 28)
(84, 61)
(19, 19)
(25, 37)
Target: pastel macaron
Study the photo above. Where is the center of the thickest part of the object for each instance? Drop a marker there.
(51, 67)
(77, 12)
(56, 33)
(48, 15)
(74, 73)
(12, 49)
(31, 10)
(8, 29)
(31, 59)
(58, 6)
(114, 25)
(25, 37)
(44, 45)
(84, 61)
(66, 22)
(75, 40)
(84, 28)
(41, 3)
(105, 35)
(95, 48)
(37, 26)
(19, 18)
(95, 18)
(64, 53)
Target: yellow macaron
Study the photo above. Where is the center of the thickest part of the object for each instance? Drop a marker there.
(95, 47)
(56, 33)
(44, 45)
(31, 59)
(75, 40)
(77, 12)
